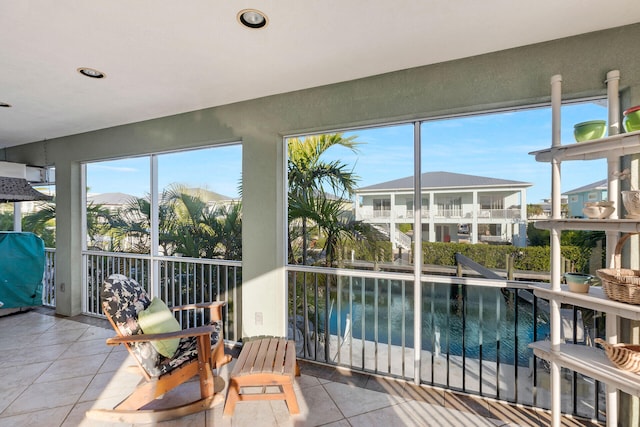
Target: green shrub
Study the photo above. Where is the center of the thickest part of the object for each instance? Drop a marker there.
(533, 258)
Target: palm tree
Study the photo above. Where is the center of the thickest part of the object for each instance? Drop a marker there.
(310, 177)
(333, 223)
(42, 222)
(130, 226)
(6, 221)
(230, 230)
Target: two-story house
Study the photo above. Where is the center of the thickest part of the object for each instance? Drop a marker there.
(455, 207)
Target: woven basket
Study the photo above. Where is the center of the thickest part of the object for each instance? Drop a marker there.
(624, 356)
(621, 284)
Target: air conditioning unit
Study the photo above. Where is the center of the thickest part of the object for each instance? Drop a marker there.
(33, 174)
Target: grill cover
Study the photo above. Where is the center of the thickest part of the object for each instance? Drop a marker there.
(21, 269)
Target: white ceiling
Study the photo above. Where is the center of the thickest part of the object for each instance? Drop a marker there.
(165, 57)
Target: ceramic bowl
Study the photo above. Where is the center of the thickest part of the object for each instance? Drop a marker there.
(579, 282)
(632, 119)
(598, 212)
(631, 201)
(586, 131)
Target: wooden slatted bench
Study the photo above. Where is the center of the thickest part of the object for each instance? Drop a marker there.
(262, 363)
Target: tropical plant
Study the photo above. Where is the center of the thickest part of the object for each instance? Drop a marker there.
(129, 227)
(42, 223)
(332, 222)
(188, 225)
(310, 177)
(6, 221)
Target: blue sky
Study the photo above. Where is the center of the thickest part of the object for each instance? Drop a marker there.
(491, 145)
(216, 169)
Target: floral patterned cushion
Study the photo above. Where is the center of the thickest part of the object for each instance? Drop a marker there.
(123, 299)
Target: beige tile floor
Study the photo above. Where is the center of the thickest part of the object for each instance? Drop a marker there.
(54, 369)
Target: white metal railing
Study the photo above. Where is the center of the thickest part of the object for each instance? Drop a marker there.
(499, 214)
(398, 213)
(381, 214)
(449, 213)
(49, 278)
(475, 332)
(493, 239)
(424, 213)
(179, 281)
(402, 240)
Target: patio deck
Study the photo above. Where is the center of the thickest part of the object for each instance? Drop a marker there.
(54, 369)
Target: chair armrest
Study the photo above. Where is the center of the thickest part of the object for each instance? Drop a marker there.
(215, 308)
(212, 305)
(190, 332)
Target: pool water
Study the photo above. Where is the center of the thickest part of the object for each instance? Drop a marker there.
(485, 324)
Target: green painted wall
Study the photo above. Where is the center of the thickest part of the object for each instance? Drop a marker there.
(504, 79)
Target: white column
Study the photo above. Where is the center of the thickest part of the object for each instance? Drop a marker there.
(556, 102)
(17, 216)
(432, 217)
(392, 221)
(154, 268)
(417, 257)
(474, 217)
(613, 193)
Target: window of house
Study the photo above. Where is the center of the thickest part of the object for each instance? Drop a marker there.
(381, 204)
(491, 201)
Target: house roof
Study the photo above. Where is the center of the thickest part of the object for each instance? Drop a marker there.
(598, 185)
(445, 180)
(116, 199)
(206, 195)
(110, 198)
(207, 58)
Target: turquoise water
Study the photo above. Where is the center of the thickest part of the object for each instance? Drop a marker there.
(486, 322)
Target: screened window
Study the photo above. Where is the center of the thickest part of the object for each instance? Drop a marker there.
(197, 202)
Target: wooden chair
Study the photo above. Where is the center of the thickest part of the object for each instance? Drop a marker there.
(200, 350)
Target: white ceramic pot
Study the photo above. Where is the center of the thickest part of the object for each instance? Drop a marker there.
(598, 212)
(631, 201)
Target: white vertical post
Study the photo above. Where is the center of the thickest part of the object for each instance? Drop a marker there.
(474, 217)
(393, 233)
(613, 191)
(17, 216)
(154, 268)
(417, 254)
(84, 232)
(556, 192)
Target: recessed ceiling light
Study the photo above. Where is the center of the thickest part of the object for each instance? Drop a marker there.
(252, 18)
(91, 72)
(4, 104)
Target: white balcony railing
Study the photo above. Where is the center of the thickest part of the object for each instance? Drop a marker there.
(181, 281)
(458, 213)
(473, 337)
(381, 214)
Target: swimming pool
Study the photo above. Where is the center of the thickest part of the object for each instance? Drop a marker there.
(482, 323)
